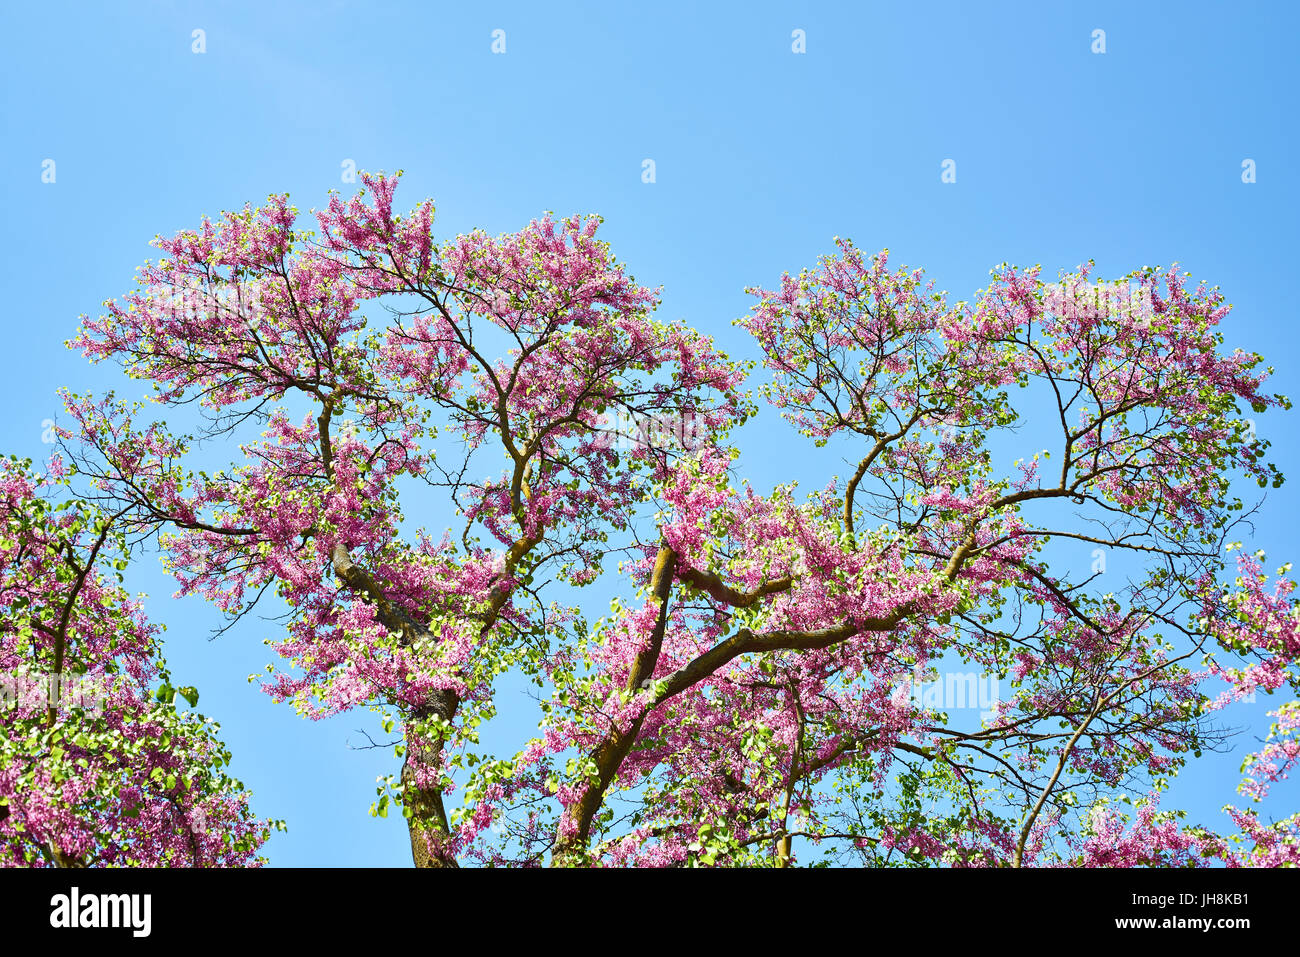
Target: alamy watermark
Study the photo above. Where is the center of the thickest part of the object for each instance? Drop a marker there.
(62, 691)
(1118, 299)
(949, 691)
(682, 431)
(194, 302)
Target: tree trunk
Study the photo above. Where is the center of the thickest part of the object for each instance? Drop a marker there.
(427, 824)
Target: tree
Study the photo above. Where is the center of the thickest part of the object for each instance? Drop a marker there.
(97, 766)
(750, 700)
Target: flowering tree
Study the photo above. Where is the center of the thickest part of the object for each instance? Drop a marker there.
(741, 702)
(97, 765)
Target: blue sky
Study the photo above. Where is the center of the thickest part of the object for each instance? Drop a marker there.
(762, 156)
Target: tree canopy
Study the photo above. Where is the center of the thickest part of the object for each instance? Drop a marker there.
(745, 699)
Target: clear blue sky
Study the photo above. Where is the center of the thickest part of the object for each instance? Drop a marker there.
(1133, 157)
